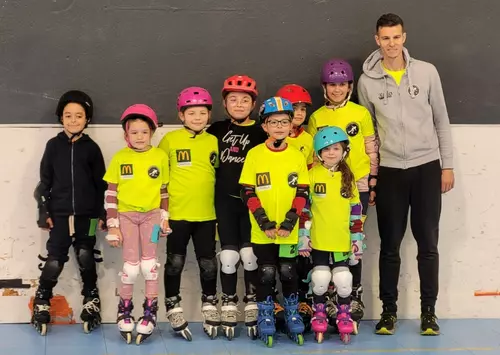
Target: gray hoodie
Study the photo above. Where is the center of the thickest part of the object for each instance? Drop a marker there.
(411, 119)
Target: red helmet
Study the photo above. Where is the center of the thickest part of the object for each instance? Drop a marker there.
(296, 94)
(240, 83)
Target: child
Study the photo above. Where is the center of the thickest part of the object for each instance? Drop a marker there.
(336, 229)
(275, 188)
(136, 205)
(338, 84)
(299, 138)
(303, 141)
(236, 136)
(69, 197)
(193, 155)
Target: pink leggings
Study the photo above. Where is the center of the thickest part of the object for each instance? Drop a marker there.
(139, 251)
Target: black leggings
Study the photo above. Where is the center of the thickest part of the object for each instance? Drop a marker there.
(203, 234)
(270, 263)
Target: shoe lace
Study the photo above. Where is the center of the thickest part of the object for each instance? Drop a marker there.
(91, 306)
(429, 317)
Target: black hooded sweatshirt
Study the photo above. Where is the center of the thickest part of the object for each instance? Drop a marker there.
(71, 176)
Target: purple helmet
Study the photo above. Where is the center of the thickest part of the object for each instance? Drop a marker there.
(336, 71)
(194, 96)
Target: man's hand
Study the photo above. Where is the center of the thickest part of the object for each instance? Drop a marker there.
(447, 180)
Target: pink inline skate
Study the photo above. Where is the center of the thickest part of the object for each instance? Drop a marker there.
(319, 322)
(345, 323)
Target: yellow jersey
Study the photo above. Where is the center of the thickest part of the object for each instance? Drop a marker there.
(304, 143)
(192, 174)
(331, 213)
(357, 122)
(275, 175)
(139, 177)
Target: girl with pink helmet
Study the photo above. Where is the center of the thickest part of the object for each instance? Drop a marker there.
(193, 155)
(136, 203)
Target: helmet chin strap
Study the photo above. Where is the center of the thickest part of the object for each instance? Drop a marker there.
(195, 133)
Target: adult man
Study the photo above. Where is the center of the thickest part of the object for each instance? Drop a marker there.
(406, 100)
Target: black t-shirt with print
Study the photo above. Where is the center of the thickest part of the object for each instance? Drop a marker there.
(234, 143)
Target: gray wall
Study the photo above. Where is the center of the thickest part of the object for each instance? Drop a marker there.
(128, 51)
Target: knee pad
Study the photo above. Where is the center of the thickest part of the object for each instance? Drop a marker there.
(229, 261)
(130, 272)
(248, 259)
(174, 264)
(320, 279)
(268, 274)
(288, 270)
(342, 278)
(85, 258)
(208, 268)
(52, 269)
(149, 269)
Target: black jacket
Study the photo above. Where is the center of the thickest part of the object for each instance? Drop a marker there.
(234, 143)
(72, 176)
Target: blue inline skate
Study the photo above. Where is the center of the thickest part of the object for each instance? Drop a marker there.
(294, 323)
(265, 321)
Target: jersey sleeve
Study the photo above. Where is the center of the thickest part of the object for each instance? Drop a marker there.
(217, 159)
(112, 175)
(303, 173)
(165, 168)
(310, 157)
(247, 176)
(311, 126)
(367, 128)
(164, 144)
(355, 198)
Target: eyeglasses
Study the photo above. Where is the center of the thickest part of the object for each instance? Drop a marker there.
(276, 123)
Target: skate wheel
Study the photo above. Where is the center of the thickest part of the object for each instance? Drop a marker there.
(127, 337)
(186, 334)
(345, 338)
(300, 339)
(269, 341)
(319, 337)
(252, 333)
(42, 329)
(229, 333)
(139, 339)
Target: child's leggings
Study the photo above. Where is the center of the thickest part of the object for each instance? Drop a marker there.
(139, 251)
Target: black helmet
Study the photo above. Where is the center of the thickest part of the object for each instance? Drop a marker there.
(78, 97)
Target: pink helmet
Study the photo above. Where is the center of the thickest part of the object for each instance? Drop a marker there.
(194, 96)
(140, 111)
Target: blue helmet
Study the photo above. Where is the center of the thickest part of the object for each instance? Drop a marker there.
(275, 105)
(328, 136)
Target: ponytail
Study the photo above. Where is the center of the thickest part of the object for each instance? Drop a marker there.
(347, 177)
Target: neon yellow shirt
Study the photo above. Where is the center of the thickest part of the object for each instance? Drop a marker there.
(397, 75)
(192, 174)
(331, 213)
(275, 176)
(357, 122)
(139, 177)
(304, 143)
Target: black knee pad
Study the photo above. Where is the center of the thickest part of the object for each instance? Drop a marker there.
(208, 268)
(85, 258)
(267, 274)
(52, 269)
(288, 270)
(175, 264)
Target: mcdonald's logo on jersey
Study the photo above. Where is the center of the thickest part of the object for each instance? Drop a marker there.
(126, 171)
(263, 181)
(320, 189)
(183, 157)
